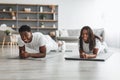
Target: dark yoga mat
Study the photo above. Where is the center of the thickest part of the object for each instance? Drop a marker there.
(100, 57)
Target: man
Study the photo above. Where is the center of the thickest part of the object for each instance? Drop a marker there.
(39, 43)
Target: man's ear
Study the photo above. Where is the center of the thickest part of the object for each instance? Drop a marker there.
(31, 33)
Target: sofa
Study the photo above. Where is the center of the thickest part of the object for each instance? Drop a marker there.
(72, 35)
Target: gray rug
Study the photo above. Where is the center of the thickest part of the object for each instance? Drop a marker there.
(48, 56)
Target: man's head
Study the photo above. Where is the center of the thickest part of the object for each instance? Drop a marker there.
(25, 33)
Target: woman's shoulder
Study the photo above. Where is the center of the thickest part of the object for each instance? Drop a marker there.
(97, 40)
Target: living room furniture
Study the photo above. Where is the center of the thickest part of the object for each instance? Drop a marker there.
(39, 17)
(13, 38)
(72, 35)
(7, 35)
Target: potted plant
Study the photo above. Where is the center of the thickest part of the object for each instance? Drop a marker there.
(42, 25)
(42, 16)
(7, 32)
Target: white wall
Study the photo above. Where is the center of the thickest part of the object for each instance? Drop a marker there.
(71, 13)
(78, 13)
(110, 15)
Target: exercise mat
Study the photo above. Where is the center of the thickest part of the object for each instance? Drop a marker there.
(100, 57)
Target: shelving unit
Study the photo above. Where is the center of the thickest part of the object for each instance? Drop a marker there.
(39, 17)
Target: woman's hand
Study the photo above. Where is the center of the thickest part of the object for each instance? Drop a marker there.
(84, 55)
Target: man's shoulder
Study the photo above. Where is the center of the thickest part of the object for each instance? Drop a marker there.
(37, 33)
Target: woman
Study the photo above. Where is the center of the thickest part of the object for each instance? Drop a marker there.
(89, 44)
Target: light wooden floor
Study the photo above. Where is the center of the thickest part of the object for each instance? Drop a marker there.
(56, 68)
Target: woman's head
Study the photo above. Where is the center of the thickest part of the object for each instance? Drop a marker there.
(25, 33)
(87, 36)
(86, 33)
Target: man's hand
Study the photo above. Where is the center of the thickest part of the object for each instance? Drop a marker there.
(24, 55)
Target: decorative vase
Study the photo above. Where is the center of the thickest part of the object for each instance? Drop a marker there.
(10, 9)
(41, 9)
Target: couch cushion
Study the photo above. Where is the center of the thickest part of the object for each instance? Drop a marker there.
(74, 32)
(68, 38)
(99, 33)
(63, 33)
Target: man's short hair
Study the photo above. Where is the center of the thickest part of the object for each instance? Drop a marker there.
(24, 28)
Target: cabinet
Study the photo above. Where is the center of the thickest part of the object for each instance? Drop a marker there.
(43, 18)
